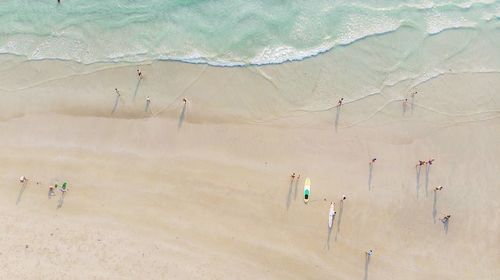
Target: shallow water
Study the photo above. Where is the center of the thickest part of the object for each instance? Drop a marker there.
(221, 32)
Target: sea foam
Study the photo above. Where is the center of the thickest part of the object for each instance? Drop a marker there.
(222, 33)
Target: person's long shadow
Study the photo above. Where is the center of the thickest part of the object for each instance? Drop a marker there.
(427, 171)
(21, 191)
(337, 118)
(341, 209)
(61, 200)
(289, 196)
(330, 233)
(146, 108)
(417, 186)
(412, 105)
(136, 88)
(182, 117)
(116, 104)
(370, 172)
(296, 188)
(367, 262)
(434, 210)
(445, 226)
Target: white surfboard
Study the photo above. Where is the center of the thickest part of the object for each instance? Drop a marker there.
(331, 214)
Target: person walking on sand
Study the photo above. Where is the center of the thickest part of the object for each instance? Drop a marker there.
(430, 161)
(373, 161)
(184, 100)
(405, 104)
(340, 102)
(369, 253)
(438, 188)
(343, 197)
(420, 163)
(445, 218)
(117, 92)
(414, 93)
(148, 100)
(293, 176)
(139, 74)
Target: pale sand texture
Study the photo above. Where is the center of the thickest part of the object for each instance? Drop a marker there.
(207, 195)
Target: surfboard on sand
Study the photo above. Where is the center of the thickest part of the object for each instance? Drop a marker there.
(307, 190)
(331, 214)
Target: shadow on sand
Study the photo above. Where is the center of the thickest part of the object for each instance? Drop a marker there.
(146, 108)
(412, 105)
(434, 210)
(341, 209)
(21, 191)
(136, 89)
(296, 188)
(367, 262)
(418, 168)
(337, 118)
(427, 171)
(445, 226)
(330, 229)
(61, 200)
(370, 172)
(116, 104)
(182, 117)
(289, 196)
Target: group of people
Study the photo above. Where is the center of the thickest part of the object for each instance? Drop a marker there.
(63, 188)
(423, 162)
(148, 99)
(429, 162)
(438, 188)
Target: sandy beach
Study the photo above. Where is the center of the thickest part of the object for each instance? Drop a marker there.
(203, 190)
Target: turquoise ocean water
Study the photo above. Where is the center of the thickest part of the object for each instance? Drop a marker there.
(224, 32)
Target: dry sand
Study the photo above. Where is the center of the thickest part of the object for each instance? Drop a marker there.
(203, 192)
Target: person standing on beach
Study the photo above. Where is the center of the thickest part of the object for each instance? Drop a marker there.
(438, 188)
(405, 104)
(340, 102)
(445, 219)
(420, 163)
(139, 74)
(148, 100)
(430, 161)
(23, 179)
(373, 161)
(293, 176)
(343, 197)
(369, 253)
(117, 92)
(51, 191)
(184, 100)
